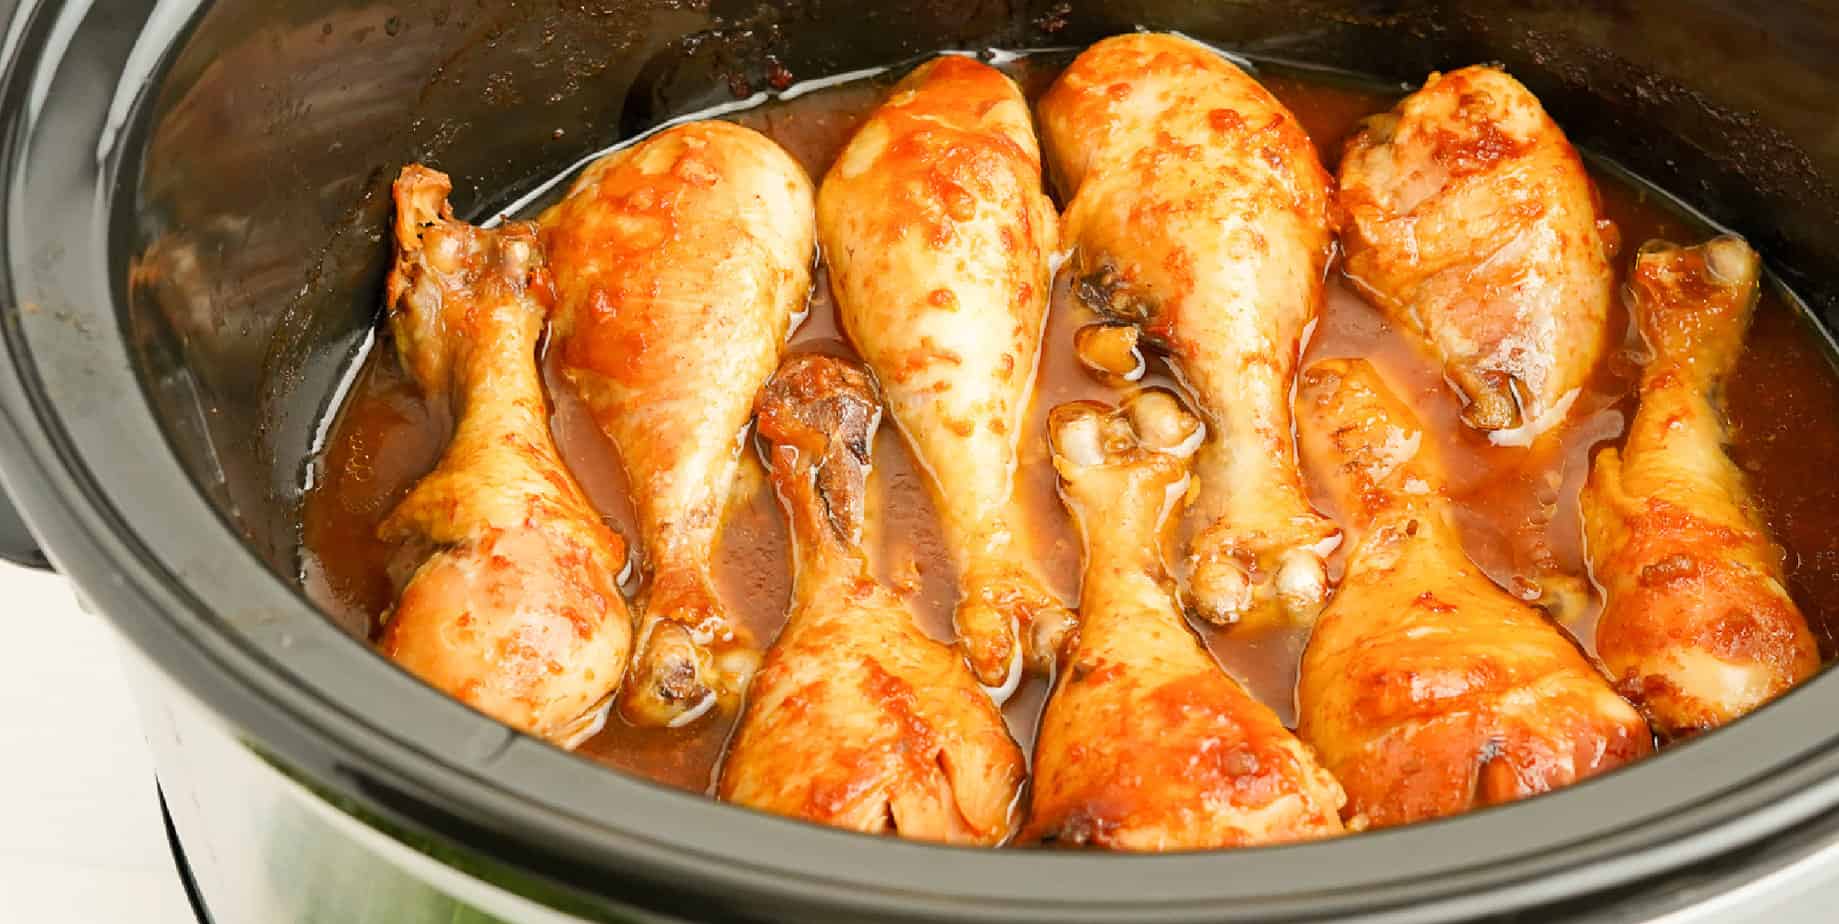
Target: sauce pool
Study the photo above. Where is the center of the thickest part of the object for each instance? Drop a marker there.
(1518, 507)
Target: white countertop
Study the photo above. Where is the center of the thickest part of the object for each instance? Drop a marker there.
(81, 838)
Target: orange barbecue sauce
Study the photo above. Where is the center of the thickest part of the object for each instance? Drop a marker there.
(1518, 507)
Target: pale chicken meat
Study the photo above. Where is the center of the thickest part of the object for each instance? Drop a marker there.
(938, 237)
(1469, 219)
(1427, 689)
(1146, 744)
(509, 596)
(1198, 209)
(858, 719)
(681, 264)
(1697, 624)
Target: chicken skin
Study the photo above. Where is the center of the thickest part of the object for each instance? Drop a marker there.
(1469, 219)
(509, 592)
(1198, 210)
(1146, 744)
(1427, 689)
(938, 235)
(1697, 625)
(681, 264)
(857, 719)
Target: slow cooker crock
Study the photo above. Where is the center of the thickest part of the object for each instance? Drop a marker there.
(195, 198)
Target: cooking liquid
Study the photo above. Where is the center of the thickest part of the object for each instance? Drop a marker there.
(1517, 507)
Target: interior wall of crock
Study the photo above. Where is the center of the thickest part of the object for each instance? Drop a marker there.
(251, 229)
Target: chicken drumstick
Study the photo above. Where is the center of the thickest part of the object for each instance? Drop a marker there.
(1426, 688)
(1146, 743)
(681, 263)
(511, 597)
(857, 719)
(1697, 626)
(1470, 221)
(938, 235)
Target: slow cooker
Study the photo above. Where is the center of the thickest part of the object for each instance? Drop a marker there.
(196, 195)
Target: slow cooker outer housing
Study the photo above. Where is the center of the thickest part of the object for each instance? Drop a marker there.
(195, 200)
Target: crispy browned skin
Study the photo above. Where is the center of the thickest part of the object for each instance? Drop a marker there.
(938, 235)
(1146, 743)
(1697, 626)
(511, 601)
(1470, 220)
(857, 719)
(681, 262)
(1427, 689)
(1197, 209)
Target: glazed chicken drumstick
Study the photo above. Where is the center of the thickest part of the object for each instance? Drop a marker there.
(681, 263)
(1469, 219)
(937, 235)
(1198, 210)
(1146, 743)
(511, 602)
(856, 718)
(1697, 625)
(1427, 689)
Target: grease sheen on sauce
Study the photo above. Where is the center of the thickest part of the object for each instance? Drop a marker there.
(1518, 507)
